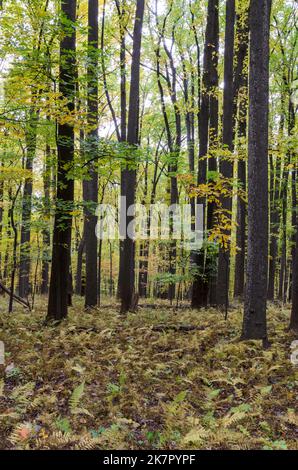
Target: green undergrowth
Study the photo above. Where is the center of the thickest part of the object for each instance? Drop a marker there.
(98, 381)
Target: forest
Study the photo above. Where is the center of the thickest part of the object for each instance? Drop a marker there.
(148, 225)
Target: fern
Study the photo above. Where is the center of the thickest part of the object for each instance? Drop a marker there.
(22, 395)
(87, 443)
(76, 397)
(201, 389)
(75, 401)
(234, 418)
(291, 418)
(196, 435)
(20, 434)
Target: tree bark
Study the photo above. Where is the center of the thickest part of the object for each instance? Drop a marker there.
(254, 320)
(128, 177)
(1, 218)
(173, 166)
(241, 100)
(294, 287)
(226, 166)
(92, 184)
(61, 254)
(46, 231)
(24, 279)
(208, 127)
(14, 252)
(144, 248)
(121, 7)
(274, 226)
(78, 280)
(294, 310)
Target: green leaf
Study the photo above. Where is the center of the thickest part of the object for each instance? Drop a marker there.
(76, 396)
(212, 175)
(181, 396)
(63, 425)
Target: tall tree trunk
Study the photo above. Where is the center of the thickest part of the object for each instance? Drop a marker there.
(61, 254)
(8, 243)
(213, 106)
(174, 144)
(189, 98)
(144, 265)
(173, 166)
(121, 7)
(79, 290)
(14, 251)
(254, 320)
(92, 184)
(24, 279)
(294, 309)
(294, 276)
(128, 178)
(46, 231)
(211, 259)
(31, 138)
(78, 284)
(283, 261)
(123, 98)
(294, 287)
(201, 264)
(274, 225)
(241, 100)
(226, 167)
(99, 270)
(79, 271)
(1, 220)
(275, 193)
(143, 252)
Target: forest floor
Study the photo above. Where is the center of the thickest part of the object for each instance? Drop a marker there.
(104, 382)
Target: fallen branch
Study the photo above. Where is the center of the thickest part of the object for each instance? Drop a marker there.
(18, 299)
(177, 327)
(163, 307)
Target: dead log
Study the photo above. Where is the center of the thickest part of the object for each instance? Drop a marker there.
(18, 299)
(177, 327)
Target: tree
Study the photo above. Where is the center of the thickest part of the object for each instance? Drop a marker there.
(31, 143)
(294, 309)
(208, 129)
(187, 143)
(61, 254)
(254, 320)
(27, 206)
(226, 167)
(121, 135)
(92, 139)
(128, 177)
(241, 100)
(46, 230)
